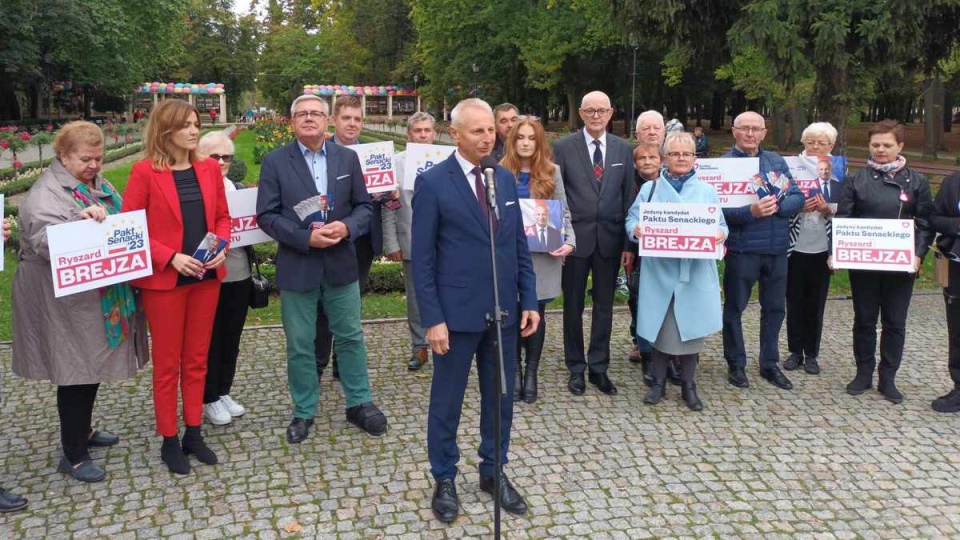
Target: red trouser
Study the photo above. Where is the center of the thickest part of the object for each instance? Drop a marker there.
(181, 320)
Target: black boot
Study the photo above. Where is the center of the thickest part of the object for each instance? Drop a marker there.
(688, 374)
(193, 444)
(530, 379)
(517, 381)
(659, 369)
(172, 455)
(646, 361)
(689, 394)
(673, 371)
(864, 379)
(888, 387)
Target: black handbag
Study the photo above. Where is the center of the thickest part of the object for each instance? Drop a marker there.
(259, 287)
(633, 280)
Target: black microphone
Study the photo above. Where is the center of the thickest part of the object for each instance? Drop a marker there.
(489, 166)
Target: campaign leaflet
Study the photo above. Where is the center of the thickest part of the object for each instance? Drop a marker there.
(811, 172)
(244, 230)
(543, 224)
(209, 247)
(873, 244)
(732, 178)
(680, 230)
(420, 158)
(86, 255)
(376, 160)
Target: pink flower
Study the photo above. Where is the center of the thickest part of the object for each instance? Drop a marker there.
(24, 135)
(49, 127)
(4, 144)
(17, 164)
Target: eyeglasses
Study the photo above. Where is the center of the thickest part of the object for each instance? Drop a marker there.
(816, 143)
(595, 112)
(685, 155)
(312, 114)
(226, 158)
(750, 129)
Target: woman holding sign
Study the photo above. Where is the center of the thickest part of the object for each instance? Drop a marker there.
(885, 189)
(184, 199)
(81, 340)
(681, 297)
(530, 159)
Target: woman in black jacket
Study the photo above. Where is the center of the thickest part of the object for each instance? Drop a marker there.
(946, 221)
(885, 189)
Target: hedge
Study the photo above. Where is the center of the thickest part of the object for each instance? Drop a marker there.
(22, 185)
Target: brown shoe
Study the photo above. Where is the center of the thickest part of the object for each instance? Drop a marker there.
(418, 360)
(635, 355)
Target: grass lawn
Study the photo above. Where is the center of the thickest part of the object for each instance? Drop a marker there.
(244, 143)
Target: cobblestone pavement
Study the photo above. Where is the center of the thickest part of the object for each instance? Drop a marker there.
(757, 463)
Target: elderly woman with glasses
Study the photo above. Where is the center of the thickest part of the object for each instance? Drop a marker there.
(235, 289)
(808, 278)
(681, 297)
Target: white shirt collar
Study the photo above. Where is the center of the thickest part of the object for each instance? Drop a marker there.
(590, 139)
(466, 166)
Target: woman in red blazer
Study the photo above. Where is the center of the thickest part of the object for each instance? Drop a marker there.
(184, 199)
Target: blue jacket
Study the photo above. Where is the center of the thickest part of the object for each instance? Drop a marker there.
(693, 283)
(769, 235)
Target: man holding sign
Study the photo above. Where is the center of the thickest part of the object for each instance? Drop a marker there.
(757, 251)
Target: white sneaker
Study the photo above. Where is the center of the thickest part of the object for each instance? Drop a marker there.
(216, 413)
(233, 408)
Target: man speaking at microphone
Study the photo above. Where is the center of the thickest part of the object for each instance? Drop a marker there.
(453, 279)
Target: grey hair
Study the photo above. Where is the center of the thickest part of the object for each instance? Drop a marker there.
(214, 139)
(820, 128)
(678, 137)
(469, 103)
(306, 97)
(650, 114)
(420, 116)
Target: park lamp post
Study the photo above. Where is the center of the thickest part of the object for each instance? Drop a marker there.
(633, 88)
(476, 84)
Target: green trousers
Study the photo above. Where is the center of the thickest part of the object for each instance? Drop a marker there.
(298, 309)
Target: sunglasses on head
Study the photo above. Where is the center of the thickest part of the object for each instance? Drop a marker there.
(227, 158)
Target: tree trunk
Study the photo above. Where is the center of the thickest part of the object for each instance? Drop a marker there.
(932, 117)
(831, 83)
(572, 110)
(798, 122)
(947, 117)
(779, 128)
(717, 109)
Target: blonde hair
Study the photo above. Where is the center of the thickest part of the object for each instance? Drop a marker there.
(74, 134)
(214, 139)
(167, 117)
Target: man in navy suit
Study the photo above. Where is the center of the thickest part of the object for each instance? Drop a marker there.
(453, 279)
(317, 263)
(546, 238)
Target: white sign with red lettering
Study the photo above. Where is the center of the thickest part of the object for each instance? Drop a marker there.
(873, 244)
(420, 158)
(680, 230)
(244, 230)
(86, 255)
(804, 172)
(376, 159)
(731, 177)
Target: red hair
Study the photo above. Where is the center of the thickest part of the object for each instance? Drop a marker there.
(541, 163)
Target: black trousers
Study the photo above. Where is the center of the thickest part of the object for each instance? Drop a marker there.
(808, 282)
(225, 338)
(574, 285)
(531, 348)
(324, 339)
(951, 295)
(885, 295)
(75, 406)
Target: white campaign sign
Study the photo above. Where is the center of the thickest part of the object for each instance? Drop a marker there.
(244, 230)
(376, 159)
(421, 158)
(86, 255)
(873, 244)
(804, 171)
(680, 230)
(731, 177)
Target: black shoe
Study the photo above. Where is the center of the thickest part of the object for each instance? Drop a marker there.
(793, 362)
(336, 368)
(510, 500)
(517, 382)
(193, 444)
(948, 403)
(673, 372)
(445, 504)
(862, 382)
(646, 360)
(10, 502)
(530, 383)
(811, 366)
(172, 455)
(576, 384)
(890, 393)
(776, 377)
(298, 430)
(689, 394)
(603, 383)
(737, 377)
(103, 438)
(87, 471)
(655, 393)
(635, 355)
(369, 418)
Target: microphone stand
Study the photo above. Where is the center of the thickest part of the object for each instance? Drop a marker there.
(499, 375)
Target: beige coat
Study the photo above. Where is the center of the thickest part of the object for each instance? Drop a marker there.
(63, 339)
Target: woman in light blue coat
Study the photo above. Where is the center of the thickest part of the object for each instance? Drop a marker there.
(679, 298)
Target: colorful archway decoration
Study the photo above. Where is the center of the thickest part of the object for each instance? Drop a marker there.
(179, 88)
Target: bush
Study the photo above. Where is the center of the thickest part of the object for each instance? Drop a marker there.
(385, 277)
(237, 171)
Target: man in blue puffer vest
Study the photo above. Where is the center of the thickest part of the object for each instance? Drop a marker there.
(757, 250)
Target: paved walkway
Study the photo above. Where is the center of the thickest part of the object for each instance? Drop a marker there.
(757, 463)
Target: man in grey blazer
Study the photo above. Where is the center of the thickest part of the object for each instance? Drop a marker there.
(396, 237)
(597, 169)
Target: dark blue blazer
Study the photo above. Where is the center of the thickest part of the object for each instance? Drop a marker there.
(285, 180)
(452, 274)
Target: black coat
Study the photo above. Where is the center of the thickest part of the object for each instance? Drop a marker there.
(946, 215)
(867, 194)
